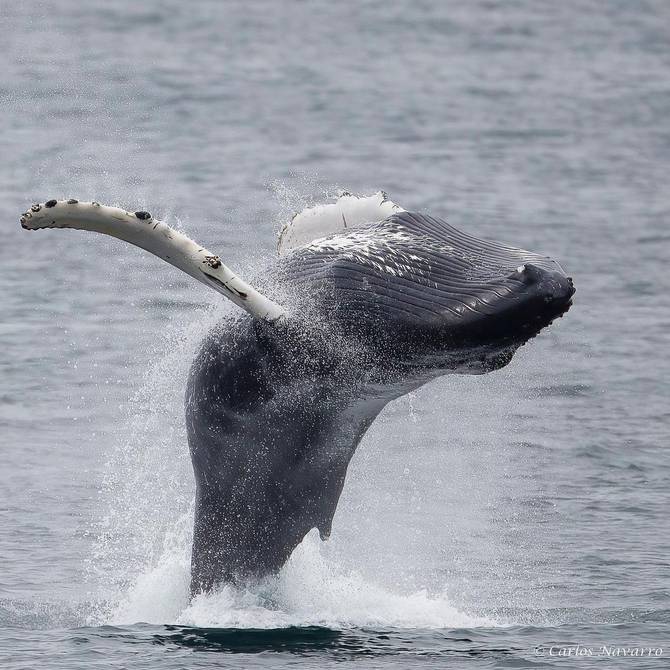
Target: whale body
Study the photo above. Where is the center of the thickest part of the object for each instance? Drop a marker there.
(277, 400)
(275, 415)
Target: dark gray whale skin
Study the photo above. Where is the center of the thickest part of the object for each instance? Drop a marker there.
(275, 411)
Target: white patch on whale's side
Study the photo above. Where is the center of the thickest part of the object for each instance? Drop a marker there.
(320, 221)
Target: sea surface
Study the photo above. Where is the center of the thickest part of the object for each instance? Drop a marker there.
(513, 520)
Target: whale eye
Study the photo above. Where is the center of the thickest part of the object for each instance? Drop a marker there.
(143, 216)
(51, 203)
(72, 201)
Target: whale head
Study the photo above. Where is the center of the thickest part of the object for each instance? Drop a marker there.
(423, 294)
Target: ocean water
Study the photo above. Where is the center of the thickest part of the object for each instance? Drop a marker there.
(504, 521)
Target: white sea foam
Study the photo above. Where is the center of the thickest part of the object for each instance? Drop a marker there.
(311, 589)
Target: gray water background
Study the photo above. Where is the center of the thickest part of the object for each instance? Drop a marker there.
(483, 516)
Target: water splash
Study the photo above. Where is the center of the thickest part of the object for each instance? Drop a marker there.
(146, 501)
(311, 590)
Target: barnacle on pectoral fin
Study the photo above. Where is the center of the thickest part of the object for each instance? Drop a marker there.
(213, 261)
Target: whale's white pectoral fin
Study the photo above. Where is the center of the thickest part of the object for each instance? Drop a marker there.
(142, 230)
(347, 212)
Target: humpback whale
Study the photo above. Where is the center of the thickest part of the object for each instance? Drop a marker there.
(367, 302)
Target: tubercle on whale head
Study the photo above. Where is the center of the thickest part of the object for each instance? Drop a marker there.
(543, 297)
(540, 297)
